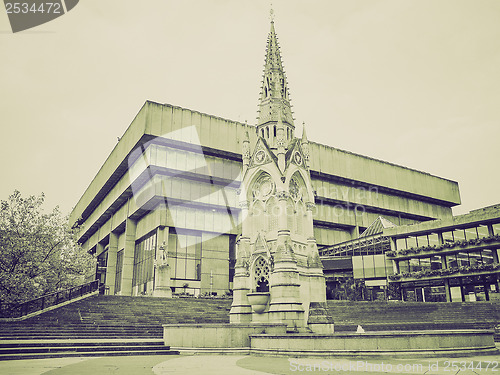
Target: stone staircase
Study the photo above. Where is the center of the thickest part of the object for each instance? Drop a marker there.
(382, 316)
(106, 326)
(119, 325)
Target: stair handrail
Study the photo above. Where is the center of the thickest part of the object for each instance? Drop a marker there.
(52, 299)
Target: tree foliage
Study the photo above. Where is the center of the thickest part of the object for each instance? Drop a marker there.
(38, 251)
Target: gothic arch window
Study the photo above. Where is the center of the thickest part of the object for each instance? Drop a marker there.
(261, 275)
(297, 188)
(267, 132)
(263, 187)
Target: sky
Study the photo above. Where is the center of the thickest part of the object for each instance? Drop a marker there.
(412, 82)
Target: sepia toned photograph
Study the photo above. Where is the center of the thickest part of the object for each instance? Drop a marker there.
(249, 187)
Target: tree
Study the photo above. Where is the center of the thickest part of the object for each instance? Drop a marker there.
(38, 251)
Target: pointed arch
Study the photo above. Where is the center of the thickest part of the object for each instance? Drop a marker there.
(305, 188)
(260, 273)
(261, 186)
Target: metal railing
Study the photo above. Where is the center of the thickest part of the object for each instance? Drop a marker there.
(49, 300)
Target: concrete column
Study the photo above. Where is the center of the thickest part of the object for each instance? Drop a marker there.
(98, 252)
(447, 290)
(111, 265)
(128, 257)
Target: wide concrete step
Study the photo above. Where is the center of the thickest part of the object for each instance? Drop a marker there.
(10, 357)
(30, 349)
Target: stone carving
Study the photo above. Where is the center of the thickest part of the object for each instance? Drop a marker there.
(282, 195)
(310, 206)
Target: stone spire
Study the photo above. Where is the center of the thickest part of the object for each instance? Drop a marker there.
(305, 145)
(274, 103)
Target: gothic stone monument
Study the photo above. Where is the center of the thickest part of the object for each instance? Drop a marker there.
(278, 273)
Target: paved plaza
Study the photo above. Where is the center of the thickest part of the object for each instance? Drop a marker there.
(248, 365)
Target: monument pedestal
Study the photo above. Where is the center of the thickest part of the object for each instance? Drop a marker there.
(162, 285)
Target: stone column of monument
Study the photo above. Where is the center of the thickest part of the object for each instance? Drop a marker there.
(285, 305)
(241, 311)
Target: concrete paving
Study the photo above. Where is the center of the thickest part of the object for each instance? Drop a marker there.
(249, 365)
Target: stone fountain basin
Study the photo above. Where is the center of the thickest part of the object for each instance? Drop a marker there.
(272, 339)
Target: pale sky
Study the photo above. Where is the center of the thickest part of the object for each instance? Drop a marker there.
(415, 83)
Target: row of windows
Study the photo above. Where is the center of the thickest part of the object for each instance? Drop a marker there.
(462, 289)
(265, 132)
(184, 252)
(455, 260)
(371, 266)
(194, 162)
(144, 256)
(474, 232)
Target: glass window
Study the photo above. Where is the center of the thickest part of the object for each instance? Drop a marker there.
(181, 160)
(404, 266)
(411, 242)
(379, 264)
(436, 262)
(414, 265)
(369, 266)
(357, 267)
(425, 264)
(496, 228)
(144, 256)
(451, 261)
(463, 259)
(482, 231)
(487, 256)
(448, 237)
(433, 239)
(470, 233)
(185, 249)
(458, 235)
(422, 241)
(475, 259)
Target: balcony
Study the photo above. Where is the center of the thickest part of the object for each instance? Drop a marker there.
(482, 269)
(475, 244)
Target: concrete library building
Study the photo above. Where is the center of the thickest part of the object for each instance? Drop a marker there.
(163, 216)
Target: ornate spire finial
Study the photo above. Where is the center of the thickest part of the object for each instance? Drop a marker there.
(271, 13)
